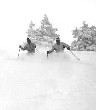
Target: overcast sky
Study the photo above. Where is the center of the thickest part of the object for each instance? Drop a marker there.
(15, 16)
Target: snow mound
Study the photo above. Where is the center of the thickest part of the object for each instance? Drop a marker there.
(59, 82)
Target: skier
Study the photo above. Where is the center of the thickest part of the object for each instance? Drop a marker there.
(58, 46)
(30, 47)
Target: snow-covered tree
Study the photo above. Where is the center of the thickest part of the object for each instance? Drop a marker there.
(47, 30)
(31, 30)
(33, 33)
(45, 34)
(85, 38)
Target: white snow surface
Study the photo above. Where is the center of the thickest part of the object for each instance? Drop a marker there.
(61, 82)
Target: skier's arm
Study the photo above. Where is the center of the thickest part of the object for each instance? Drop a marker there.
(22, 48)
(67, 46)
(50, 51)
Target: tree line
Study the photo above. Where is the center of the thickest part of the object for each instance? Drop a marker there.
(84, 36)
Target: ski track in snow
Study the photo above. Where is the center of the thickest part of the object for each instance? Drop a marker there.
(57, 83)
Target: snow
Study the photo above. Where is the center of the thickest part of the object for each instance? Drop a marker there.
(60, 82)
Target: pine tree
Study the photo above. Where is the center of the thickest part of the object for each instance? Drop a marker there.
(45, 34)
(31, 30)
(47, 30)
(33, 33)
(85, 38)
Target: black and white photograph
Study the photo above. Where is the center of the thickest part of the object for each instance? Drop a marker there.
(47, 55)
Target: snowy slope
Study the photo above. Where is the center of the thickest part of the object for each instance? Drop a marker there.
(56, 83)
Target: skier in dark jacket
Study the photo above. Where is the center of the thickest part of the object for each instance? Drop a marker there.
(30, 47)
(58, 46)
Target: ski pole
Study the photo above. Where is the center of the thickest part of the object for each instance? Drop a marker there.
(74, 55)
(18, 52)
(47, 54)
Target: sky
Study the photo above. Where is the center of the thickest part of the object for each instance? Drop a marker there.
(66, 15)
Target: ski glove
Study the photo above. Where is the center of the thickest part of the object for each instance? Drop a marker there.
(19, 46)
(68, 48)
(47, 52)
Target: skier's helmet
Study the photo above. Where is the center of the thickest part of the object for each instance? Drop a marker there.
(28, 40)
